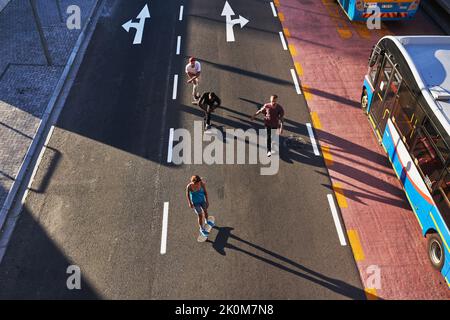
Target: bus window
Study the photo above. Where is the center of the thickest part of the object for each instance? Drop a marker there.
(384, 79)
(441, 197)
(426, 155)
(374, 64)
(407, 114)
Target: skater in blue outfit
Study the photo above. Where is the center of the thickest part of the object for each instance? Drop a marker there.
(197, 198)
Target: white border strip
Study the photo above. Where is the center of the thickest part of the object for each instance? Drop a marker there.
(169, 150)
(164, 228)
(337, 222)
(283, 41)
(175, 87)
(313, 139)
(178, 45)
(181, 13)
(274, 10)
(297, 85)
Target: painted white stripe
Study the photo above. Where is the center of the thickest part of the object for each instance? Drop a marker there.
(169, 151)
(164, 228)
(175, 87)
(313, 139)
(181, 13)
(178, 45)
(337, 222)
(283, 41)
(274, 10)
(297, 85)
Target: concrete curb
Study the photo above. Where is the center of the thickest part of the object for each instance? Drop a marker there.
(42, 135)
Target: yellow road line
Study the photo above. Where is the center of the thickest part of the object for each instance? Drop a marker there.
(340, 195)
(344, 33)
(277, 2)
(281, 16)
(293, 50)
(315, 120)
(299, 69)
(358, 252)
(286, 32)
(371, 294)
(307, 92)
(327, 155)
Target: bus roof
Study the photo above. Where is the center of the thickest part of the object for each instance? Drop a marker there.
(429, 60)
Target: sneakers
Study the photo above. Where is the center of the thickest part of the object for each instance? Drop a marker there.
(269, 153)
(203, 232)
(210, 223)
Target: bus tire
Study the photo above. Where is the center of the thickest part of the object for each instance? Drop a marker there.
(436, 252)
(364, 100)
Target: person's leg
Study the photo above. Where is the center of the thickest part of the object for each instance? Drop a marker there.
(195, 89)
(208, 115)
(269, 139)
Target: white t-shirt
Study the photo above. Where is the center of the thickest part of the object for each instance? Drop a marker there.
(196, 69)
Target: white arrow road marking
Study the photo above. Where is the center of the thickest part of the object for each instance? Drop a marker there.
(228, 12)
(139, 26)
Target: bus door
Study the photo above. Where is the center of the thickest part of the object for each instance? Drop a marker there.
(386, 89)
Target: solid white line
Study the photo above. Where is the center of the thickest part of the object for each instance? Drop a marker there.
(181, 13)
(336, 220)
(164, 228)
(175, 87)
(169, 150)
(283, 41)
(274, 10)
(313, 139)
(297, 85)
(178, 44)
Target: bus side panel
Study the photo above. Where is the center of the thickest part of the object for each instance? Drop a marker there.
(369, 91)
(444, 233)
(415, 189)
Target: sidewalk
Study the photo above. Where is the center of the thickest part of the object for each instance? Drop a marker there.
(331, 55)
(26, 81)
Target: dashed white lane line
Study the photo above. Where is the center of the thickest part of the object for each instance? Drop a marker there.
(164, 228)
(283, 41)
(313, 139)
(175, 87)
(297, 85)
(273, 9)
(336, 220)
(178, 45)
(170, 147)
(181, 13)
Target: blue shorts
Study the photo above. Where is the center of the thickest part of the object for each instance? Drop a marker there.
(199, 207)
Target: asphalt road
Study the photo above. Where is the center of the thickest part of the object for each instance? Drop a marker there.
(97, 199)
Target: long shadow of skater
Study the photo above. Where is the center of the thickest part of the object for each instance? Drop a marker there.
(335, 285)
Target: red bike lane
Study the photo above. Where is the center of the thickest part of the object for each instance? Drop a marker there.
(331, 54)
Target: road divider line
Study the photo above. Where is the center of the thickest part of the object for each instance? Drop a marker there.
(337, 222)
(181, 13)
(315, 120)
(274, 11)
(299, 68)
(277, 2)
(371, 293)
(283, 41)
(327, 155)
(313, 139)
(164, 228)
(292, 50)
(297, 85)
(307, 93)
(281, 16)
(340, 195)
(178, 45)
(170, 147)
(358, 252)
(286, 32)
(175, 87)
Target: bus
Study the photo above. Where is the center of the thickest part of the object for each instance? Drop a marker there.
(406, 96)
(360, 10)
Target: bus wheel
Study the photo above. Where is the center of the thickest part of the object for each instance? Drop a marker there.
(436, 251)
(364, 100)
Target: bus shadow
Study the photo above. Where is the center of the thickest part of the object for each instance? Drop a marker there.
(221, 243)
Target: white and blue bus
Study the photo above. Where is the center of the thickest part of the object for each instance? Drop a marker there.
(387, 9)
(406, 95)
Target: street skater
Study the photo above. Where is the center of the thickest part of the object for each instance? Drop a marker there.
(197, 198)
(273, 119)
(193, 70)
(209, 101)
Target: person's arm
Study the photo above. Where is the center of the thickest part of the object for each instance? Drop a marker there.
(258, 112)
(191, 205)
(206, 194)
(194, 77)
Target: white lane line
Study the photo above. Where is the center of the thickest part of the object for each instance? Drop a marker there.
(181, 13)
(164, 228)
(336, 220)
(169, 150)
(178, 45)
(274, 10)
(175, 87)
(283, 41)
(297, 85)
(313, 139)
